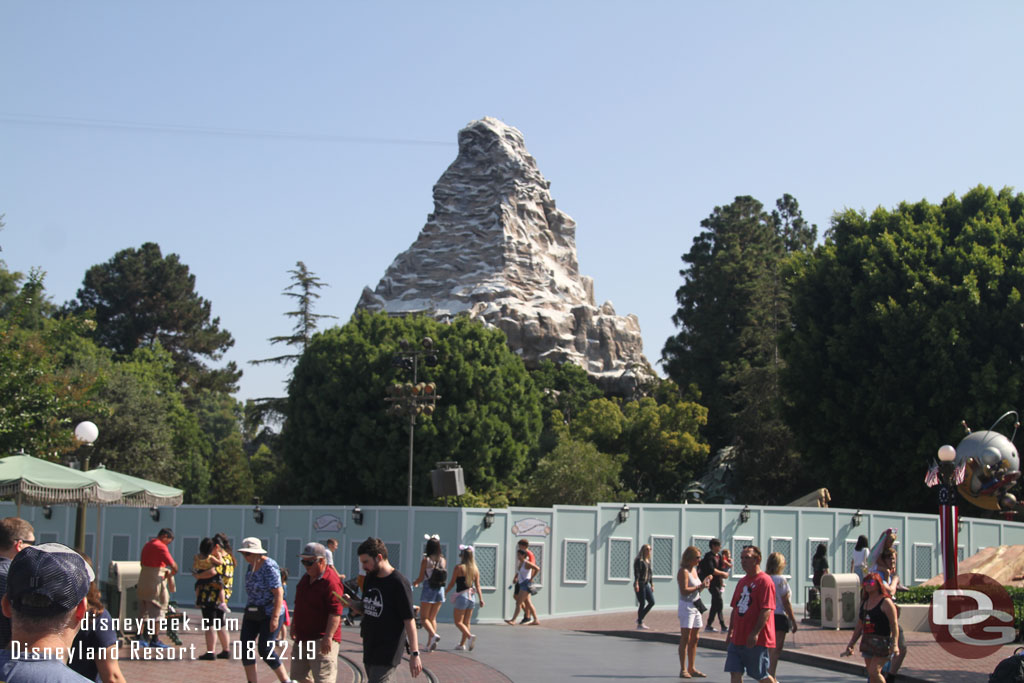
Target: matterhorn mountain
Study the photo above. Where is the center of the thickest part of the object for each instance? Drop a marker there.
(497, 249)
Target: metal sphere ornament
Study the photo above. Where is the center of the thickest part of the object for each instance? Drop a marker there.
(992, 468)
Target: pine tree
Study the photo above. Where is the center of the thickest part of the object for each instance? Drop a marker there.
(303, 290)
(732, 307)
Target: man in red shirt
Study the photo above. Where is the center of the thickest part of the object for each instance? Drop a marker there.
(751, 627)
(316, 620)
(158, 568)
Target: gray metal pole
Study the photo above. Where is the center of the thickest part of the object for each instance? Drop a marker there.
(412, 423)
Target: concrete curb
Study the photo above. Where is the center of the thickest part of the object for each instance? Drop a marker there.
(787, 655)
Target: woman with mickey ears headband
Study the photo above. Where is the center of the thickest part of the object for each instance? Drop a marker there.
(466, 580)
(432, 575)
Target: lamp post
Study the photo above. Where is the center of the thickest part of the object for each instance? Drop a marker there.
(85, 432)
(414, 398)
(948, 514)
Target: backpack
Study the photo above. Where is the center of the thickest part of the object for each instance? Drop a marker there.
(437, 578)
(706, 567)
(1010, 670)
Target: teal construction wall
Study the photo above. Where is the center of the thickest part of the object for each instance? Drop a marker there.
(585, 553)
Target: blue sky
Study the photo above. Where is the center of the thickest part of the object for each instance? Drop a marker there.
(245, 136)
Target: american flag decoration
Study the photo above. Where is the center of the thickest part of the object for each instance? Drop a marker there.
(932, 477)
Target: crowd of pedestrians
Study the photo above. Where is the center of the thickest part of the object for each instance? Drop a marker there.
(51, 603)
(762, 607)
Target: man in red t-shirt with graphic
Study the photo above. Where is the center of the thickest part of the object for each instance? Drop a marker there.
(751, 627)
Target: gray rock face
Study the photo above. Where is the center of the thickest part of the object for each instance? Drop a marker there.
(496, 248)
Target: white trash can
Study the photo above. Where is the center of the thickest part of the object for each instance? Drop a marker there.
(840, 600)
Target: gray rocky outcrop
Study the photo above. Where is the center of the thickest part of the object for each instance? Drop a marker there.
(497, 248)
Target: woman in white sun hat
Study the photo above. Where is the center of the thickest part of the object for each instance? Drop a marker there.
(261, 621)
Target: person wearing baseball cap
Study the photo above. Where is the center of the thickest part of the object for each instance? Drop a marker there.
(46, 600)
(316, 623)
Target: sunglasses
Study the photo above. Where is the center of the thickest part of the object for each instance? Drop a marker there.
(870, 582)
(25, 541)
(308, 563)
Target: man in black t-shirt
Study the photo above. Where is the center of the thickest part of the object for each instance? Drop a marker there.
(711, 566)
(387, 615)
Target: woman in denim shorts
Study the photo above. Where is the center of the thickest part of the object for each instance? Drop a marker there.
(432, 576)
(466, 581)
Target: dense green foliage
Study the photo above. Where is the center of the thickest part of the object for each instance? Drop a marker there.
(904, 323)
(339, 442)
(152, 424)
(843, 365)
(140, 298)
(732, 307)
(575, 473)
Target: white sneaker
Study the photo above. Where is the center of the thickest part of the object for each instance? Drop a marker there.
(472, 643)
(461, 648)
(433, 642)
(642, 627)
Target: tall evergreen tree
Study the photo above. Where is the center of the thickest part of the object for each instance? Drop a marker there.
(732, 306)
(303, 290)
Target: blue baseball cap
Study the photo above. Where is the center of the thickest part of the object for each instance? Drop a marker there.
(47, 580)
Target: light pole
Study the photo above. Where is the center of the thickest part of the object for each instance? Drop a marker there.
(85, 432)
(948, 514)
(413, 398)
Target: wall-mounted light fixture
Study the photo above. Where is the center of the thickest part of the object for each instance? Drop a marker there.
(489, 519)
(745, 514)
(856, 519)
(154, 513)
(47, 512)
(623, 513)
(357, 516)
(257, 511)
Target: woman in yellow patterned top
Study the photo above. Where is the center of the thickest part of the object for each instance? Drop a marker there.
(213, 619)
(209, 591)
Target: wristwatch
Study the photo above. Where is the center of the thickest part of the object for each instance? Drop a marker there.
(414, 653)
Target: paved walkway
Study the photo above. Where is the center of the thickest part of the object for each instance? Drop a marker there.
(596, 647)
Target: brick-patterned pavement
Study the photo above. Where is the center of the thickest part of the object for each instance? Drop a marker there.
(449, 667)
(926, 660)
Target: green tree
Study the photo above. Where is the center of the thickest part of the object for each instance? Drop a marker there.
(303, 290)
(220, 418)
(339, 443)
(262, 415)
(733, 305)
(904, 322)
(40, 387)
(664, 447)
(576, 473)
(141, 297)
(269, 475)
